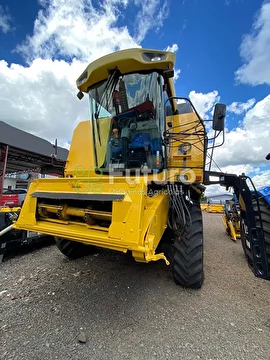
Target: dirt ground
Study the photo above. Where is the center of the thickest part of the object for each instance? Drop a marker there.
(120, 309)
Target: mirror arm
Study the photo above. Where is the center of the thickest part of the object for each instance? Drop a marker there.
(214, 146)
(223, 140)
(213, 138)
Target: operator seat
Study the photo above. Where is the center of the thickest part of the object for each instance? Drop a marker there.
(139, 148)
(145, 150)
(141, 140)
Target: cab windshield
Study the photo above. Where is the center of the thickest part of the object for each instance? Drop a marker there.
(127, 115)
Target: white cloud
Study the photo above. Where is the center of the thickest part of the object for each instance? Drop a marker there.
(176, 74)
(41, 97)
(231, 169)
(239, 108)
(204, 103)
(151, 15)
(248, 144)
(173, 48)
(74, 28)
(262, 179)
(255, 51)
(212, 190)
(5, 20)
(240, 169)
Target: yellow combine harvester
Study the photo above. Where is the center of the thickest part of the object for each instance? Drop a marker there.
(214, 208)
(134, 174)
(204, 207)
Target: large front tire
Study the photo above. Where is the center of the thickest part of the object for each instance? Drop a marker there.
(188, 269)
(73, 249)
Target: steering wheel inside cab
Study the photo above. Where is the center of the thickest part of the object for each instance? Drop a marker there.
(127, 122)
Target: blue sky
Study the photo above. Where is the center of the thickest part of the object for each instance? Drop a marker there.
(212, 40)
(208, 32)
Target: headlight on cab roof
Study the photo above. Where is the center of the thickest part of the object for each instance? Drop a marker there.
(148, 56)
(82, 79)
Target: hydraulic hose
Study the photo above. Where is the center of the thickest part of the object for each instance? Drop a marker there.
(179, 216)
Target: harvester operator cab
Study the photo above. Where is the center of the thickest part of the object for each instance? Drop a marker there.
(133, 108)
(137, 121)
(135, 138)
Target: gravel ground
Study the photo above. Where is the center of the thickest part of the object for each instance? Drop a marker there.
(127, 310)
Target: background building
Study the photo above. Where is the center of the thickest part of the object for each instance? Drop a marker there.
(219, 198)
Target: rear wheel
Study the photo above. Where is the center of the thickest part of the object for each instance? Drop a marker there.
(187, 259)
(73, 249)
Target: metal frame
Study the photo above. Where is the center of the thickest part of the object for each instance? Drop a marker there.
(3, 172)
(257, 253)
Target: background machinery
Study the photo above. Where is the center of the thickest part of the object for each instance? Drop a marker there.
(12, 239)
(231, 218)
(135, 173)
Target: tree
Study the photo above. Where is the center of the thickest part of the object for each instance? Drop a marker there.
(203, 198)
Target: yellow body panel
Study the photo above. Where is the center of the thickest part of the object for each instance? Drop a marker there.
(101, 147)
(187, 128)
(137, 221)
(81, 161)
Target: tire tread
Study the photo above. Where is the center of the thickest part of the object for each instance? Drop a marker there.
(73, 249)
(188, 270)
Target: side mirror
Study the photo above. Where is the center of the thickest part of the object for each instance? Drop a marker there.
(219, 117)
(169, 73)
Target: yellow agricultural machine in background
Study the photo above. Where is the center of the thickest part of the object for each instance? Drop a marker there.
(231, 219)
(135, 172)
(11, 238)
(214, 208)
